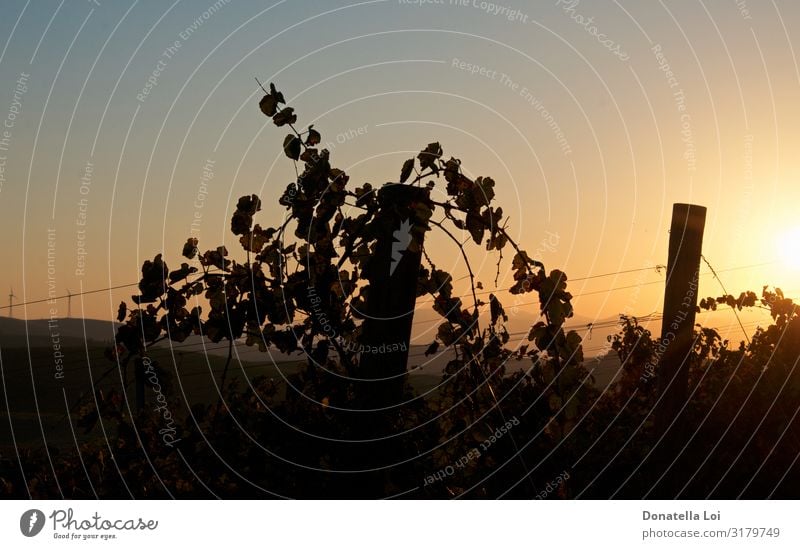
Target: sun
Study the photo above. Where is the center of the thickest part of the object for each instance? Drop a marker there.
(789, 248)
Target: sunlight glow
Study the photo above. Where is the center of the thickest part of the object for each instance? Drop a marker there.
(789, 248)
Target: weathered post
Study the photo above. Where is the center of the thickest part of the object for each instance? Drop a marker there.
(392, 273)
(677, 325)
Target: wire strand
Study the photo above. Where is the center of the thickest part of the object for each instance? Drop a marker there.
(726, 293)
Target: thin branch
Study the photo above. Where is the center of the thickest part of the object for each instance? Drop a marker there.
(466, 260)
(736, 314)
(350, 246)
(449, 207)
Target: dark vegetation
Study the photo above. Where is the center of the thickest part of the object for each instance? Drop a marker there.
(485, 432)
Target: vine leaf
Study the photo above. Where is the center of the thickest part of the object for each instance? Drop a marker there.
(432, 348)
(286, 116)
(314, 137)
(154, 281)
(428, 157)
(122, 312)
(496, 309)
(190, 248)
(483, 192)
(276, 94)
(553, 294)
(292, 146)
(268, 105)
(408, 167)
(242, 218)
(182, 273)
(475, 226)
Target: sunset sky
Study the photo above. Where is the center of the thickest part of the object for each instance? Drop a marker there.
(592, 129)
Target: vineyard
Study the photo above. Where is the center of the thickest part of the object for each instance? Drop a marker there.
(335, 285)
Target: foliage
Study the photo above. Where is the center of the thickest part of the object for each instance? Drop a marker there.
(299, 287)
(488, 430)
(742, 431)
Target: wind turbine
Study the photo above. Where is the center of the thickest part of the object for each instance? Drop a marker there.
(11, 297)
(69, 303)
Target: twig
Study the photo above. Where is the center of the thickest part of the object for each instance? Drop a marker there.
(736, 314)
(466, 260)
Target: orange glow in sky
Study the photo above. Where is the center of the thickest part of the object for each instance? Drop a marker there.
(130, 128)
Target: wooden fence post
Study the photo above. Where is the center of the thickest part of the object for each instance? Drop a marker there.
(677, 324)
(392, 273)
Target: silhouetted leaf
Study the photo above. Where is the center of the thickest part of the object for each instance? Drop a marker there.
(475, 227)
(182, 273)
(276, 94)
(484, 190)
(538, 334)
(190, 248)
(446, 334)
(336, 174)
(432, 348)
(242, 218)
(288, 196)
(292, 146)
(452, 169)
(268, 105)
(255, 240)
(408, 167)
(313, 138)
(496, 308)
(215, 258)
(428, 157)
(154, 280)
(122, 312)
(365, 195)
(286, 116)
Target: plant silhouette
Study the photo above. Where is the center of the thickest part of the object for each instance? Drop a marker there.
(311, 296)
(336, 280)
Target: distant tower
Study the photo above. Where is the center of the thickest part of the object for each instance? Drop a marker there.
(11, 297)
(69, 303)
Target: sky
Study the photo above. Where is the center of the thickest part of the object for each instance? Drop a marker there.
(125, 121)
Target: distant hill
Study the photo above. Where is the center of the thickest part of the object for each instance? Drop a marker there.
(36, 332)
